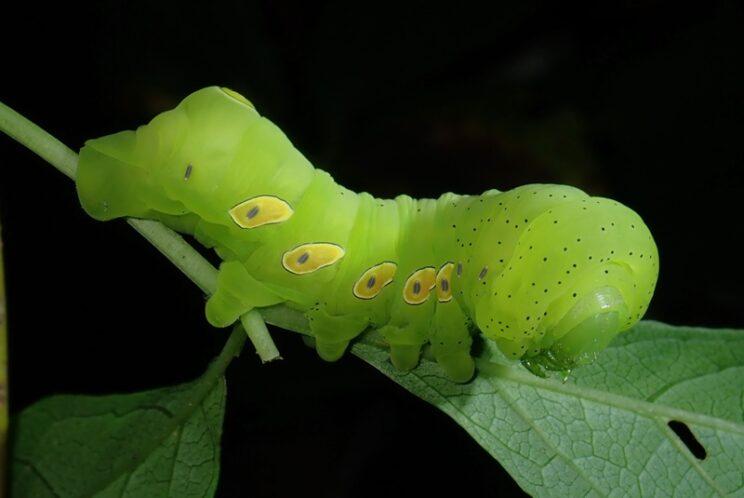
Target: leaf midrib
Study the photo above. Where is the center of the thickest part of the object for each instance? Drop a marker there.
(616, 400)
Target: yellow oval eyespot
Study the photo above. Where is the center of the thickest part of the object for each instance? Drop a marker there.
(310, 257)
(419, 285)
(444, 282)
(235, 95)
(373, 280)
(261, 210)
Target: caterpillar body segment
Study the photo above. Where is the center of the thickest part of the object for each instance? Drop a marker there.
(546, 271)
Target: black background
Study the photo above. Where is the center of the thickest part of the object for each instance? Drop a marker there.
(640, 101)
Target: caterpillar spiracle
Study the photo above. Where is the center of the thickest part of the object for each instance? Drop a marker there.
(548, 272)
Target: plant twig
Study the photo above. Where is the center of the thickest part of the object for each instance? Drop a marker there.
(259, 335)
(181, 254)
(168, 242)
(230, 350)
(3, 377)
(38, 141)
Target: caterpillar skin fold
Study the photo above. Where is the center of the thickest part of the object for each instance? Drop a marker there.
(546, 271)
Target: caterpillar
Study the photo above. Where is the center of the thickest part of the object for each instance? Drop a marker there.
(547, 272)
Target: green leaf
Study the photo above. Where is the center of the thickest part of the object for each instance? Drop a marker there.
(163, 442)
(605, 431)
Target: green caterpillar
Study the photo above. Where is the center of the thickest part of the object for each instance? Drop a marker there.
(546, 271)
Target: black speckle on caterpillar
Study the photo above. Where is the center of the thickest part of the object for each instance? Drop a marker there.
(546, 271)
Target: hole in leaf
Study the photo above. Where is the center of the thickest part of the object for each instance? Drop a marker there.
(685, 434)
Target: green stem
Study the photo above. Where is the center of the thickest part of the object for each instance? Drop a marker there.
(168, 242)
(259, 336)
(181, 254)
(230, 350)
(38, 141)
(3, 377)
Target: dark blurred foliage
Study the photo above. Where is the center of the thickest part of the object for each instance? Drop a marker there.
(639, 101)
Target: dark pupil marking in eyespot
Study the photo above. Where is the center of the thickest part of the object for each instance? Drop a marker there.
(444, 284)
(303, 258)
(253, 212)
(416, 287)
(459, 269)
(483, 272)
(187, 174)
(371, 282)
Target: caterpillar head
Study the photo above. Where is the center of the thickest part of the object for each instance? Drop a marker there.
(579, 271)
